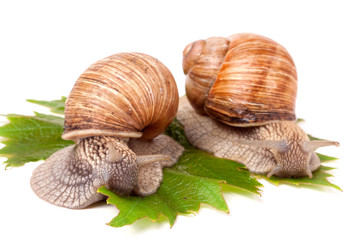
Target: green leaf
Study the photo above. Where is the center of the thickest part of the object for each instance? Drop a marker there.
(324, 158)
(56, 106)
(199, 163)
(176, 131)
(196, 179)
(300, 120)
(31, 138)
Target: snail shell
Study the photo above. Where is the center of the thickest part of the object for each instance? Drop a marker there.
(115, 113)
(249, 83)
(243, 80)
(124, 95)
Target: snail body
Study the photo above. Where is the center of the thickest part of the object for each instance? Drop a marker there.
(115, 114)
(243, 90)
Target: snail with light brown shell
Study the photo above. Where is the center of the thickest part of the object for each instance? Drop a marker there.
(240, 105)
(115, 113)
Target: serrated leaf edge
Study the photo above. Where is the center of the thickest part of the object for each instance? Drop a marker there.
(171, 223)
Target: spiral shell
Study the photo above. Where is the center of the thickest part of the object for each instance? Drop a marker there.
(123, 95)
(243, 80)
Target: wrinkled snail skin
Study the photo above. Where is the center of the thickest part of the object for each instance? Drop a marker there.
(70, 177)
(115, 115)
(243, 92)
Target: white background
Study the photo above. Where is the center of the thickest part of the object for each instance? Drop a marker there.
(45, 46)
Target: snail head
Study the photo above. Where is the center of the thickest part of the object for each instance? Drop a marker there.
(294, 158)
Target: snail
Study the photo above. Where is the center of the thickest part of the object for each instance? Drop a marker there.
(115, 114)
(240, 105)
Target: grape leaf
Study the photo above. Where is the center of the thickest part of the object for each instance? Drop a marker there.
(31, 138)
(324, 158)
(176, 131)
(198, 178)
(55, 106)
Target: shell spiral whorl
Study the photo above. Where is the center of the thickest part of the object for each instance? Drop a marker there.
(243, 80)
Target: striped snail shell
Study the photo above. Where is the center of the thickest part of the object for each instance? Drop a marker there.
(249, 83)
(115, 113)
(246, 79)
(124, 95)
